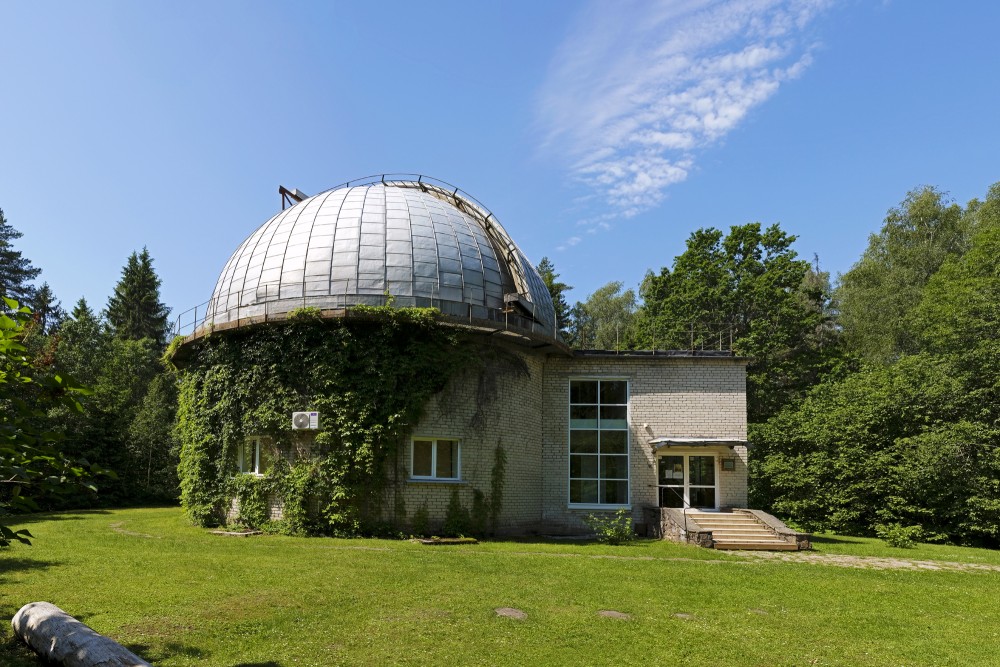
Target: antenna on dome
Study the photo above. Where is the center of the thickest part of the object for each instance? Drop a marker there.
(290, 197)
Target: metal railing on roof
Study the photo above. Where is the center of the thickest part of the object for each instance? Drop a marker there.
(692, 337)
(272, 300)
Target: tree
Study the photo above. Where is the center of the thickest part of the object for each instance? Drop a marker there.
(129, 417)
(959, 309)
(909, 440)
(747, 290)
(154, 450)
(48, 310)
(604, 321)
(128, 425)
(878, 295)
(81, 347)
(16, 271)
(889, 445)
(33, 467)
(557, 290)
(134, 310)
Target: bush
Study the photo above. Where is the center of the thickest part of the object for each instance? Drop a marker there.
(479, 516)
(899, 536)
(420, 523)
(457, 521)
(612, 529)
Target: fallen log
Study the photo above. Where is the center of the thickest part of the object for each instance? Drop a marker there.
(61, 639)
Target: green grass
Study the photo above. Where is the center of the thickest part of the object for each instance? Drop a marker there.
(180, 596)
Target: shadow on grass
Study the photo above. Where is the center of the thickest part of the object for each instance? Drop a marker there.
(13, 652)
(165, 651)
(10, 565)
(820, 538)
(269, 663)
(62, 515)
(576, 541)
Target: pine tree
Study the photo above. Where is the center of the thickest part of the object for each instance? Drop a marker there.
(48, 311)
(16, 271)
(135, 310)
(556, 289)
(81, 349)
(83, 311)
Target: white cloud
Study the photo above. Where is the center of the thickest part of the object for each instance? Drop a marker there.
(639, 86)
(569, 243)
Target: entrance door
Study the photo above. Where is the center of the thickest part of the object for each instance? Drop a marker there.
(687, 480)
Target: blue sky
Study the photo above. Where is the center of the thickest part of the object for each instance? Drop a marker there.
(600, 134)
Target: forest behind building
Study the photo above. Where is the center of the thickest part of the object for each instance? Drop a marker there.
(872, 395)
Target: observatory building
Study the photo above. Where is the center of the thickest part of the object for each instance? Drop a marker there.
(583, 431)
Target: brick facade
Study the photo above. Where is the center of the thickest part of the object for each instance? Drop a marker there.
(521, 402)
(513, 420)
(676, 396)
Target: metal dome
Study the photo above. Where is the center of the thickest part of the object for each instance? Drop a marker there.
(416, 239)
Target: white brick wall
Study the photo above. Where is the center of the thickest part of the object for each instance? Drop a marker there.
(513, 420)
(675, 396)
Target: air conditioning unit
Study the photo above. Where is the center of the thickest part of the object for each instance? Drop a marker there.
(308, 420)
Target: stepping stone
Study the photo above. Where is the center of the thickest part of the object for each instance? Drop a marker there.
(683, 616)
(510, 612)
(610, 613)
(759, 612)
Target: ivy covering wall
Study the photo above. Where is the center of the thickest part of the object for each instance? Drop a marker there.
(368, 375)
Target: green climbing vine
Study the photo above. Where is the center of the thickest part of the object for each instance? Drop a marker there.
(368, 375)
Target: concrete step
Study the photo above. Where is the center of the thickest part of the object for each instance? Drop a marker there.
(735, 530)
(723, 523)
(739, 530)
(735, 524)
(722, 517)
(751, 539)
(759, 545)
(751, 534)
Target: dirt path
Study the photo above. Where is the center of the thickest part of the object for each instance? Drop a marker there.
(833, 560)
(117, 527)
(866, 562)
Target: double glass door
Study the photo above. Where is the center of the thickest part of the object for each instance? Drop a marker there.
(687, 480)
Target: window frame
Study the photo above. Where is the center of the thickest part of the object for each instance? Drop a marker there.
(259, 443)
(433, 477)
(569, 439)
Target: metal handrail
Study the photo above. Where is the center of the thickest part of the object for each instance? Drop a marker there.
(260, 301)
(685, 504)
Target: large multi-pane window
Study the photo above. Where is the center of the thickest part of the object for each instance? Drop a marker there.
(435, 458)
(598, 442)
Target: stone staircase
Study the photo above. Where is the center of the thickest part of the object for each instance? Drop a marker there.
(741, 530)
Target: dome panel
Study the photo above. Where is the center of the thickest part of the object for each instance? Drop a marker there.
(421, 243)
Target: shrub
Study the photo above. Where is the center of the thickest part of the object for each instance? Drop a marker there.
(456, 518)
(480, 515)
(899, 536)
(420, 523)
(612, 529)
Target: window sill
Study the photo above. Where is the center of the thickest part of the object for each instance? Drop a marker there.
(432, 480)
(594, 506)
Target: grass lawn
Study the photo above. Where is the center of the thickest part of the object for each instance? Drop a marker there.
(180, 596)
